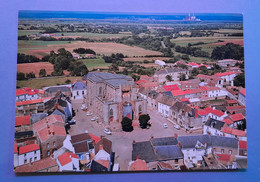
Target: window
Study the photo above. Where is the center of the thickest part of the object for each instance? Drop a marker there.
(25, 161)
(35, 158)
(24, 155)
(222, 151)
(77, 92)
(54, 144)
(100, 90)
(48, 145)
(83, 92)
(48, 153)
(35, 152)
(230, 152)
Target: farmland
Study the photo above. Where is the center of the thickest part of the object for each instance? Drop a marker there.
(46, 81)
(42, 48)
(96, 36)
(95, 63)
(141, 59)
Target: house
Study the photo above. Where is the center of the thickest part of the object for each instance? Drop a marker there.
(242, 148)
(24, 94)
(185, 116)
(213, 127)
(90, 56)
(164, 104)
(51, 91)
(28, 154)
(242, 97)
(23, 123)
(76, 56)
(152, 99)
(103, 153)
(226, 63)
(68, 162)
(83, 146)
(231, 102)
(160, 63)
(227, 78)
(189, 84)
(190, 94)
(50, 134)
(227, 160)
(78, 90)
(175, 73)
(213, 92)
(30, 106)
(43, 165)
(210, 80)
(209, 112)
(16, 161)
(96, 167)
(234, 133)
(138, 165)
(171, 87)
(238, 120)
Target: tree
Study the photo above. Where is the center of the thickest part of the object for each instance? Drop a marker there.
(143, 121)
(20, 76)
(228, 51)
(42, 73)
(168, 78)
(127, 124)
(203, 70)
(239, 80)
(78, 68)
(30, 75)
(113, 67)
(68, 81)
(182, 77)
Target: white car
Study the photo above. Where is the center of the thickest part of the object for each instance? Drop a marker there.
(93, 119)
(177, 127)
(165, 125)
(89, 114)
(107, 131)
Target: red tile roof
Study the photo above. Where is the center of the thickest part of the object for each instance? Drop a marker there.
(236, 117)
(49, 120)
(205, 88)
(36, 166)
(53, 130)
(185, 92)
(235, 107)
(224, 157)
(243, 91)
(35, 101)
(139, 165)
(171, 87)
(228, 121)
(242, 144)
(15, 147)
(22, 120)
(192, 64)
(232, 101)
(165, 165)
(150, 84)
(184, 100)
(208, 110)
(28, 148)
(95, 138)
(66, 158)
(233, 131)
(29, 91)
(226, 73)
(140, 82)
(208, 77)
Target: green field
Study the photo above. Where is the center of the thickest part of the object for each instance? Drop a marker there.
(97, 35)
(48, 81)
(28, 32)
(94, 63)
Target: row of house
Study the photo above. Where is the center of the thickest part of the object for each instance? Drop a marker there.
(187, 152)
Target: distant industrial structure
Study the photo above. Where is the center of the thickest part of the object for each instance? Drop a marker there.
(191, 18)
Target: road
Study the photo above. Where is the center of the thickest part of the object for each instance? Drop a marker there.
(122, 141)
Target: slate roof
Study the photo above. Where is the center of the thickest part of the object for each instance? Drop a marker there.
(165, 99)
(57, 88)
(23, 134)
(107, 145)
(81, 147)
(170, 70)
(144, 151)
(215, 123)
(182, 106)
(114, 80)
(164, 141)
(168, 152)
(96, 167)
(191, 141)
(37, 117)
(153, 94)
(224, 142)
(80, 138)
(79, 86)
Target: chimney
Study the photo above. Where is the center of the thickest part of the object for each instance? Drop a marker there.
(133, 141)
(100, 147)
(137, 157)
(175, 135)
(179, 144)
(151, 137)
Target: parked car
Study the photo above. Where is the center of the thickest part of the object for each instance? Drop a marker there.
(83, 107)
(93, 119)
(107, 131)
(165, 125)
(71, 122)
(177, 127)
(89, 114)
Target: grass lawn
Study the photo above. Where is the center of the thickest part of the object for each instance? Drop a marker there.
(48, 81)
(40, 42)
(96, 35)
(94, 63)
(28, 32)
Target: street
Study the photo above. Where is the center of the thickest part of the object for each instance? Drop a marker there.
(122, 141)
